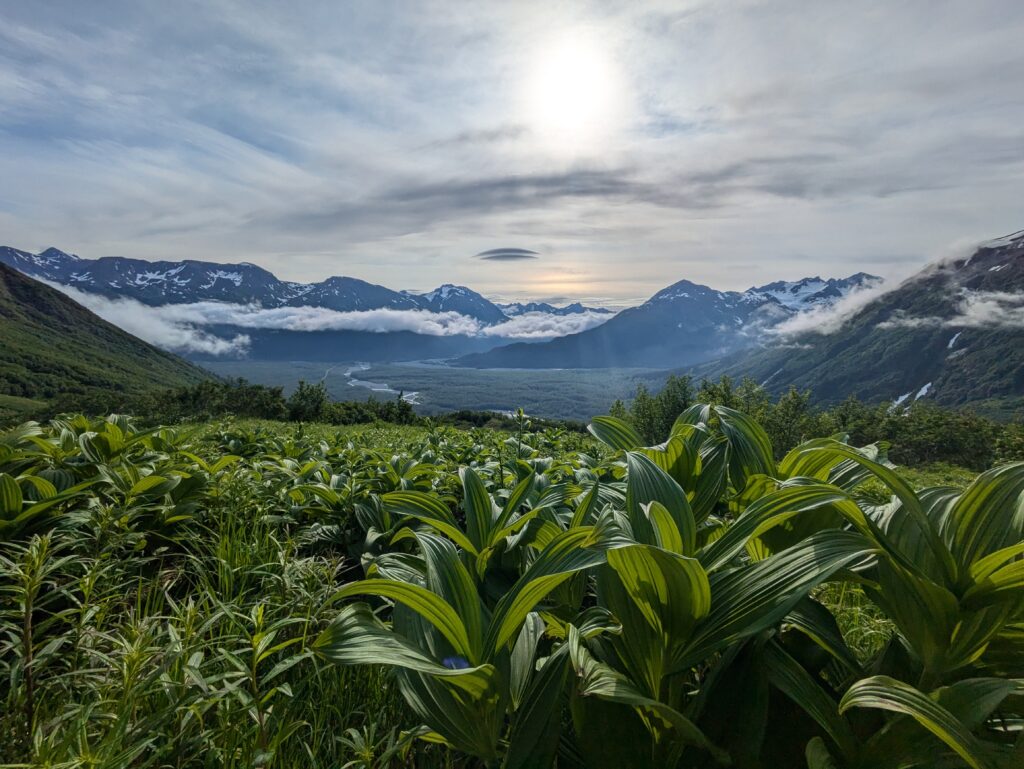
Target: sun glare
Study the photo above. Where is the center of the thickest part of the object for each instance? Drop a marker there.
(574, 93)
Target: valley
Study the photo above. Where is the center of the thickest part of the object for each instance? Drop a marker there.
(438, 388)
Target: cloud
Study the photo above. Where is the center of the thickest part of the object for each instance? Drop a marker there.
(184, 328)
(318, 318)
(158, 328)
(362, 141)
(827, 319)
(540, 325)
(507, 254)
(975, 309)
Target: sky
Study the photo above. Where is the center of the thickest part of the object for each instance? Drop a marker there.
(626, 145)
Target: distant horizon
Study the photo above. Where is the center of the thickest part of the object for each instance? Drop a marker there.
(625, 145)
(616, 305)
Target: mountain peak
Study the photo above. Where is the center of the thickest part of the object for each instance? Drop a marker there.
(54, 254)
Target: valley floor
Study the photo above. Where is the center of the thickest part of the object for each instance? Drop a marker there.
(574, 394)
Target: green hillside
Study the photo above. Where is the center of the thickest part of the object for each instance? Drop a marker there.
(54, 352)
(951, 334)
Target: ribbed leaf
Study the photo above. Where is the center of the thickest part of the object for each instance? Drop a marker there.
(596, 679)
(748, 600)
(886, 693)
(648, 483)
(666, 533)
(671, 591)
(426, 604)
(786, 675)
(817, 622)
(514, 501)
(478, 506)
(989, 515)
(773, 509)
(615, 433)
(750, 447)
(905, 493)
(357, 637)
(569, 552)
(10, 496)
(587, 508)
(817, 755)
(448, 577)
(1007, 582)
(536, 725)
(429, 509)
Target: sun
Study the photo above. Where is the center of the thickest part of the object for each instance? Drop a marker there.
(574, 92)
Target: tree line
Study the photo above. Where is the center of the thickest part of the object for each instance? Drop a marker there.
(921, 433)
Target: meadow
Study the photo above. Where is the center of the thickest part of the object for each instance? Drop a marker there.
(264, 594)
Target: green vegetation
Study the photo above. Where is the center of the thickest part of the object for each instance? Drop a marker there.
(921, 434)
(573, 394)
(264, 595)
(54, 351)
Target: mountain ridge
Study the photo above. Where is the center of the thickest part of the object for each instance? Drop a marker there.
(192, 280)
(953, 334)
(685, 322)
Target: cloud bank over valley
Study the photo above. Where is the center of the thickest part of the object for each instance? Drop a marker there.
(186, 328)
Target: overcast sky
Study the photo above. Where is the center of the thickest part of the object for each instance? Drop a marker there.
(629, 145)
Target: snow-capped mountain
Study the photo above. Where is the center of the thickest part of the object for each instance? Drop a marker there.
(682, 324)
(810, 292)
(951, 334)
(465, 301)
(158, 283)
(685, 322)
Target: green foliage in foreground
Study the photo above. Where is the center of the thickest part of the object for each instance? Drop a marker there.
(271, 596)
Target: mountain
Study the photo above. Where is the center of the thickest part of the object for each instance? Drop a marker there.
(811, 292)
(520, 308)
(350, 295)
(450, 298)
(683, 324)
(54, 351)
(184, 282)
(952, 334)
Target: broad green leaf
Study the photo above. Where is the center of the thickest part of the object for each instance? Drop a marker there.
(448, 577)
(10, 496)
(568, 553)
(750, 447)
(596, 679)
(514, 501)
(906, 495)
(671, 591)
(357, 637)
(536, 726)
(750, 599)
(787, 675)
(429, 509)
(615, 433)
(886, 693)
(989, 515)
(426, 604)
(478, 506)
(666, 533)
(648, 483)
